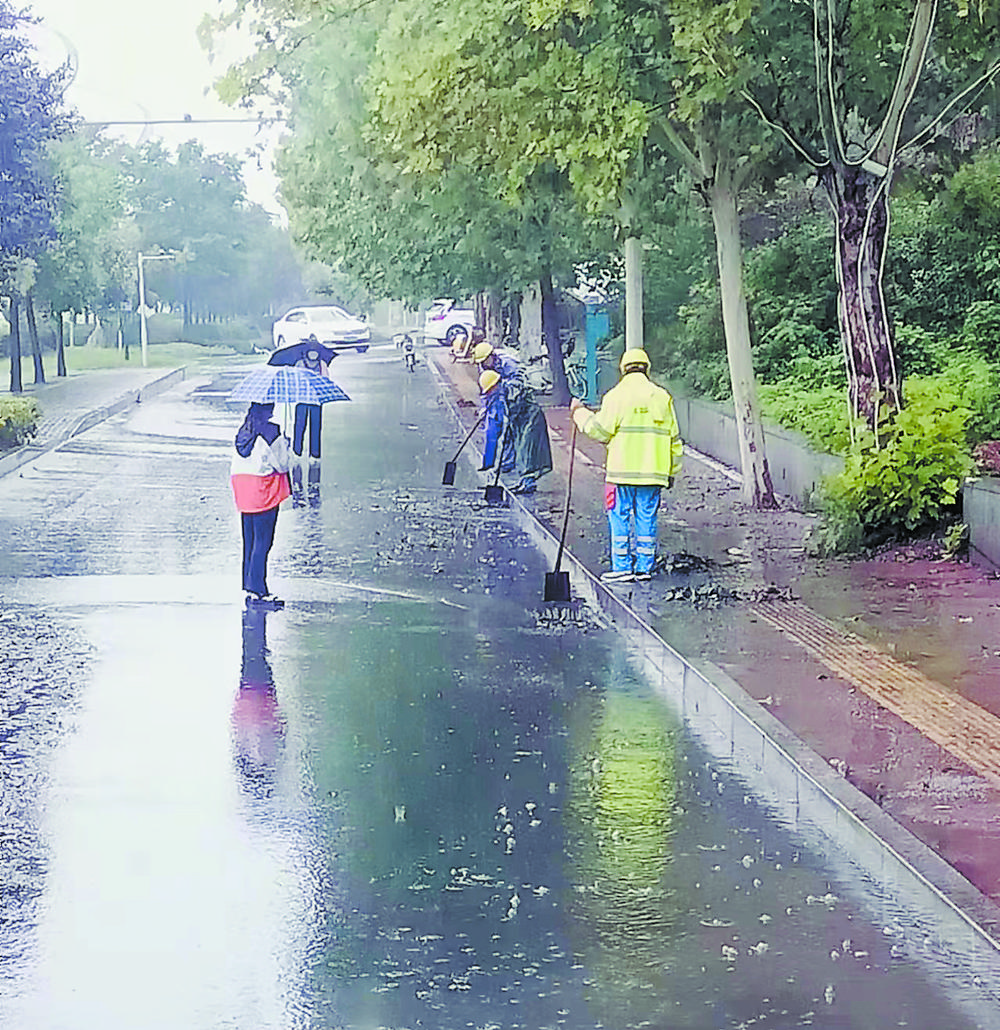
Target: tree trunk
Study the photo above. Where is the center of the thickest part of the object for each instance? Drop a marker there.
(550, 334)
(16, 384)
(512, 320)
(60, 346)
(36, 350)
(633, 293)
(493, 317)
(860, 203)
(757, 487)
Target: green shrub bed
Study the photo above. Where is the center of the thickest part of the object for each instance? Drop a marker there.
(18, 421)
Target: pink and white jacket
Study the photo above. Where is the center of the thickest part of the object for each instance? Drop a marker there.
(260, 480)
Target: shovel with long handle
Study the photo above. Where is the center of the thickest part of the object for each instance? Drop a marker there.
(495, 494)
(448, 479)
(556, 582)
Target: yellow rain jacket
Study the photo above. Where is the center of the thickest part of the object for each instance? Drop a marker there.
(638, 424)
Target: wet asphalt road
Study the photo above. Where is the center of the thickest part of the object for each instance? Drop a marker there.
(413, 798)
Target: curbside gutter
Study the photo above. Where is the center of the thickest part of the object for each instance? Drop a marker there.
(88, 419)
(897, 878)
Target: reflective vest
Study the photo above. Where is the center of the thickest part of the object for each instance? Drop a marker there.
(638, 424)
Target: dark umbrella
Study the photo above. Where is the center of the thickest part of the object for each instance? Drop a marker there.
(296, 352)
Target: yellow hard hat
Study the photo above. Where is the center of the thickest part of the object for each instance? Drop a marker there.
(488, 379)
(633, 356)
(481, 353)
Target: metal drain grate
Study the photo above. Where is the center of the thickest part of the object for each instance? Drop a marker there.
(961, 727)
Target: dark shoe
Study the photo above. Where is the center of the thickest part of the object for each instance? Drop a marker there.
(268, 601)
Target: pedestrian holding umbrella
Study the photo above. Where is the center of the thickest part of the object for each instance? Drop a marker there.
(312, 355)
(260, 466)
(259, 478)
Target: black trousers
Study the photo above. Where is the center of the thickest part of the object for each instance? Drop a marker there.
(313, 414)
(258, 536)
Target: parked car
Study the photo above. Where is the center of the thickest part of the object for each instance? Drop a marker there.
(330, 323)
(443, 320)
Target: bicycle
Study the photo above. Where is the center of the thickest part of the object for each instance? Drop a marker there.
(576, 377)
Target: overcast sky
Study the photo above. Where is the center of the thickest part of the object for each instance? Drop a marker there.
(140, 59)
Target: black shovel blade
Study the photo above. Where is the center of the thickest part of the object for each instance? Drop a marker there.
(448, 479)
(496, 496)
(557, 586)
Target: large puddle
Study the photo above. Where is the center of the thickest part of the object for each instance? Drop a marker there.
(401, 813)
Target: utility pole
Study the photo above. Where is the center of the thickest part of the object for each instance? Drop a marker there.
(143, 328)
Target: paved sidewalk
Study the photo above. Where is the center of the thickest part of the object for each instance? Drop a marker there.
(889, 669)
(74, 403)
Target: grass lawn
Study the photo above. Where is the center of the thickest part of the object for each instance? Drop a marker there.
(88, 359)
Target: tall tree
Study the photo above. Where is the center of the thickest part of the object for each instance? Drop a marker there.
(851, 85)
(32, 118)
(400, 232)
(602, 91)
(93, 259)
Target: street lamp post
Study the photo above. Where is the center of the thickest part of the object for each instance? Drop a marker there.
(143, 328)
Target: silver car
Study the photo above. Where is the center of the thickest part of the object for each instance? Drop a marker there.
(330, 324)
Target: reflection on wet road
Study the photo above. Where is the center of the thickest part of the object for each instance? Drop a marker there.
(410, 799)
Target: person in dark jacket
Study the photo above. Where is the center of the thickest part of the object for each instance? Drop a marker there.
(314, 356)
(260, 482)
(528, 435)
(521, 424)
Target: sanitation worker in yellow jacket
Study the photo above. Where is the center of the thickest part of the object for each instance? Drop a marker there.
(639, 427)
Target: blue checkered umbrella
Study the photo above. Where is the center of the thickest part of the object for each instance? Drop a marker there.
(280, 384)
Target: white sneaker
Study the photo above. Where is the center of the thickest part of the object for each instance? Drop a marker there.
(617, 577)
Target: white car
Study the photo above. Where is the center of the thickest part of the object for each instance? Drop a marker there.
(443, 318)
(330, 324)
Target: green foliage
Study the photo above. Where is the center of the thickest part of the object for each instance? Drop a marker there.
(908, 480)
(956, 541)
(18, 421)
(981, 327)
(821, 414)
(975, 381)
(694, 349)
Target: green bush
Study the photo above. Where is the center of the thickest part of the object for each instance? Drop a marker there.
(910, 482)
(18, 421)
(976, 381)
(981, 327)
(820, 415)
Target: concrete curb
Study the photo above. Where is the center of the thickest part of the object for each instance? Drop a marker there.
(29, 452)
(897, 876)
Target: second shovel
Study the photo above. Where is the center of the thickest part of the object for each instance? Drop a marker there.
(448, 479)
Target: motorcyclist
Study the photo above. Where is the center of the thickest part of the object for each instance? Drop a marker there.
(409, 353)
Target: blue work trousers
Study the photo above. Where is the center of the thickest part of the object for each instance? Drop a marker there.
(313, 414)
(632, 512)
(258, 536)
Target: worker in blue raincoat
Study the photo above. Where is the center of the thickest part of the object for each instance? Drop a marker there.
(528, 431)
(523, 430)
